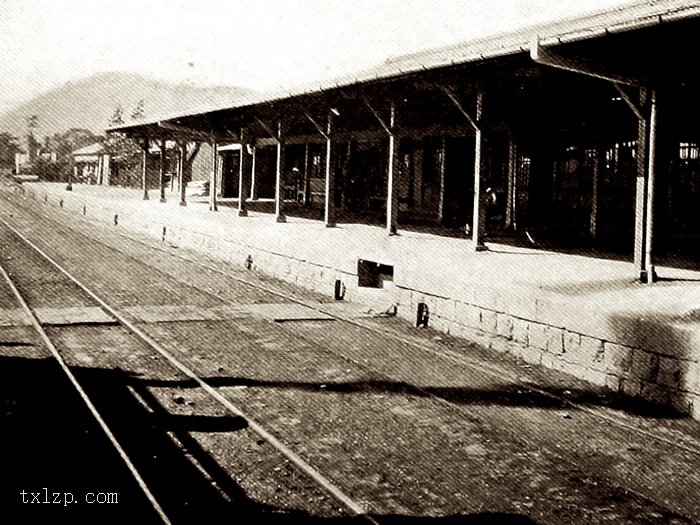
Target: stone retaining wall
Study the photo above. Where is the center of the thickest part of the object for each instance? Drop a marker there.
(657, 361)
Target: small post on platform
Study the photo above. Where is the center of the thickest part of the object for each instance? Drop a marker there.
(212, 178)
(394, 170)
(479, 215)
(144, 169)
(161, 172)
(329, 215)
(279, 175)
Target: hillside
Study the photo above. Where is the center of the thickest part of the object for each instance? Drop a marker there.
(90, 102)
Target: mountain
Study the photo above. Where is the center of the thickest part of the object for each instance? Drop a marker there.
(90, 102)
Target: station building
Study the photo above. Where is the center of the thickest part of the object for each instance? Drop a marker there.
(581, 134)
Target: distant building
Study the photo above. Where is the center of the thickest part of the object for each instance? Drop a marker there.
(91, 164)
(29, 151)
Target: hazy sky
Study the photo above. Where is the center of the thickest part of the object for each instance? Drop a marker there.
(263, 44)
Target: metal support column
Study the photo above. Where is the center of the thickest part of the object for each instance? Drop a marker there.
(162, 170)
(511, 201)
(598, 166)
(279, 176)
(648, 275)
(213, 182)
(306, 188)
(144, 169)
(441, 174)
(253, 164)
(641, 190)
(71, 172)
(329, 215)
(243, 175)
(479, 215)
(181, 174)
(392, 203)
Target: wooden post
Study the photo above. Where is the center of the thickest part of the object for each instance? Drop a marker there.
(441, 174)
(392, 203)
(511, 202)
(182, 147)
(479, 215)
(144, 170)
(162, 170)
(243, 171)
(649, 273)
(212, 180)
(279, 176)
(329, 216)
(641, 191)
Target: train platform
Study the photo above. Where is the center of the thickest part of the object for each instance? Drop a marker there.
(586, 316)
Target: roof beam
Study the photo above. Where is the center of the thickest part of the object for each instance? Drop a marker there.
(547, 57)
(472, 121)
(273, 134)
(194, 133)
(317, 126)
(634, 106)
(387, 127)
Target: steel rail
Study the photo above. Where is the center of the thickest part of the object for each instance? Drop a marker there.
(36, 324)
(301, 464)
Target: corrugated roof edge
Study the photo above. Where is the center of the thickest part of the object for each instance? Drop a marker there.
(625, 17)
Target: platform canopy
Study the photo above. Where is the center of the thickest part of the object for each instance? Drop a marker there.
(593, 107)
(534, 72)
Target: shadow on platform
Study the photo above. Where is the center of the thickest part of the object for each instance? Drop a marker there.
(509, 396)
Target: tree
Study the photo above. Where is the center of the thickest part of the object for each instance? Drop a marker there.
(8, 148)
(118, 116)
(67, 142)
(138, 112)
(32, 123)
(127, 156)
(64, 144)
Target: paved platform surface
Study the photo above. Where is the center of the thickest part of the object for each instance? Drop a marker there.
(583, 295)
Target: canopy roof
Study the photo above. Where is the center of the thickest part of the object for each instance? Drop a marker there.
(640, 40)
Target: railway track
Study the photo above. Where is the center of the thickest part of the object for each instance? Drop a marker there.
(353, 508)
(421, 346)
